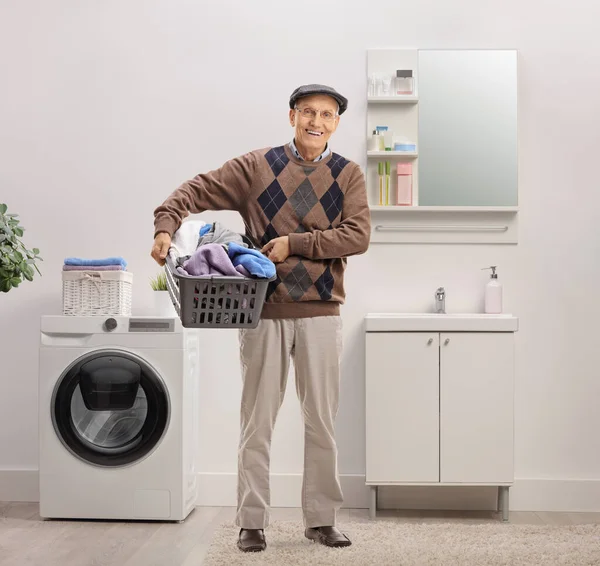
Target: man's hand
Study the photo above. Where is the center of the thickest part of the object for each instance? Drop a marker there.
(161, 246)
(278, 249)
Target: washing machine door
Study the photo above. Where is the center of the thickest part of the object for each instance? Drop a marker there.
(110, 408)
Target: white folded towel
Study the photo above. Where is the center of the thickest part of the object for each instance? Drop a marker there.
(185, 240)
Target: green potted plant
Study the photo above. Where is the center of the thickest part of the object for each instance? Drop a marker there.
(163, 306)
(16, 261)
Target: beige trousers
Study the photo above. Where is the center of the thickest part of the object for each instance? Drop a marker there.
(315, 344)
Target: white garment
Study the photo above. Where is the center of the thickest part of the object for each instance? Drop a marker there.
(185, 240)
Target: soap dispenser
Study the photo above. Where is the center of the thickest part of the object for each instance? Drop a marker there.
(493, 293)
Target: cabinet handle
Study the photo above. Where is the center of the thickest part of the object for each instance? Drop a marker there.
(430, 341)
(446, 341)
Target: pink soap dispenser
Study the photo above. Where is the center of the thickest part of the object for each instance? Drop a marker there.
(404, 192)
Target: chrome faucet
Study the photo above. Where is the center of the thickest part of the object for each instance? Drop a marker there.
(440, 301)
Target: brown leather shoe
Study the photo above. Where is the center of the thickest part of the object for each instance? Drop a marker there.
(252, 540)
(329, 536)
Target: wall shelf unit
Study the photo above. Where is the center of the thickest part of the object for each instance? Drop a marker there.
(412, 223)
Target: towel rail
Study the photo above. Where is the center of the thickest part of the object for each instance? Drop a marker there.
(439, 228)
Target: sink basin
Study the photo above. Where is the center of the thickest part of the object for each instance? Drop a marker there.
(434, 322)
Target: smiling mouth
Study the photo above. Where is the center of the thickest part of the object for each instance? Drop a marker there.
(314, 134)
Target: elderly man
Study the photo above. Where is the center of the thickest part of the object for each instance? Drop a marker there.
(306, 208)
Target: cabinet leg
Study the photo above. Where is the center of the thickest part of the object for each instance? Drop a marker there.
(503, 502)
(373, 503)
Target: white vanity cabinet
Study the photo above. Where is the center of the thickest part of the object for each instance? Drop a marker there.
(440, 401)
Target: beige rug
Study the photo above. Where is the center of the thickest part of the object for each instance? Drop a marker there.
(383, 543)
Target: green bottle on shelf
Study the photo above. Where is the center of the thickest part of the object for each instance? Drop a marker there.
(381, 189)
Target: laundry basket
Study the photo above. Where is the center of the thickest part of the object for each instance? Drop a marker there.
(216, 302)
(91, 293)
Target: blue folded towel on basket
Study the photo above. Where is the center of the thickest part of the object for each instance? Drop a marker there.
(89, 262)
(254, 261)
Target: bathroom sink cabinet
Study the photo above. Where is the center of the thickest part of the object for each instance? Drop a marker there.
(440, 410)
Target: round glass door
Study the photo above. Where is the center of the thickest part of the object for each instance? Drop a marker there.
(110, 408)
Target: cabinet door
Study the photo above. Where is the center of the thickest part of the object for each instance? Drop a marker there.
(402, 410)
(476, 407)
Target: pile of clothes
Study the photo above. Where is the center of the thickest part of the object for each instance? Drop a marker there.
(199, 249)
(106, 264)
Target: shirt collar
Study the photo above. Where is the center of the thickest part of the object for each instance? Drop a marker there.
(296, 153)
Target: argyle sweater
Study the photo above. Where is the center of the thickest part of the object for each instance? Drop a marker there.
(321, 206)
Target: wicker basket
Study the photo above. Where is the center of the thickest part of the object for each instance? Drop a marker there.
(90, 293)
(216, 302)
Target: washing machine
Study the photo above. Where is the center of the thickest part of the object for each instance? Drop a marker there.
(118, 421)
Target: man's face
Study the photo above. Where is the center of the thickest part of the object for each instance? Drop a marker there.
(315, 120)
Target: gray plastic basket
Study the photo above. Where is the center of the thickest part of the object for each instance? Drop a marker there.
(216, 302)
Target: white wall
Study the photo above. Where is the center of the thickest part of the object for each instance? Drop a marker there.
(105, 107)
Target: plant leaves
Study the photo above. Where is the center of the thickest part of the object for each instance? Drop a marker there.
(16, 261)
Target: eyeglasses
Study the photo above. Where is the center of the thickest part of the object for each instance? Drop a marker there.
(326, 115)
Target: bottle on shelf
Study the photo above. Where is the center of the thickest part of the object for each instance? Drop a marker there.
(387, 183)
(381, 130)
(373, 144)
(381, 190)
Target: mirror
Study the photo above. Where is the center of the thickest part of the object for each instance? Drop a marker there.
(467, 127)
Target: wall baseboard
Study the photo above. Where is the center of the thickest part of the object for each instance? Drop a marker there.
(525, 495)
(19, 485)
(219, 490)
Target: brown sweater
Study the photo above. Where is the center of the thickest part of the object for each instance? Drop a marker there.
(321, 206)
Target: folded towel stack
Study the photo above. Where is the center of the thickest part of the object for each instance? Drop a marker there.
(106, 264)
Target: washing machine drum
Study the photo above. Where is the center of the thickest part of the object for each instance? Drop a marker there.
(110, 408)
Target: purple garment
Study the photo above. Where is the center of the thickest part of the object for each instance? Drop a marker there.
(243, 270)
(93, 268)
(210, 259)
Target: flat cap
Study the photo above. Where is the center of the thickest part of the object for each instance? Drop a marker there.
(307, 90)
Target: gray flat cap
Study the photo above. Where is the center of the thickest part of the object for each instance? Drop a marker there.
(307, 90)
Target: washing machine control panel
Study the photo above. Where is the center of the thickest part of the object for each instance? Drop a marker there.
(151, 325)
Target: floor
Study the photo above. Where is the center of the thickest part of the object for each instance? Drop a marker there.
(27, 540)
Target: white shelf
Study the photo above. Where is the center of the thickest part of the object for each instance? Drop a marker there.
(407, 154)
(396, 208)
(400, 99)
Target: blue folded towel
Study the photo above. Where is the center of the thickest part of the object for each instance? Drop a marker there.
(86, 262)
(255, 262)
